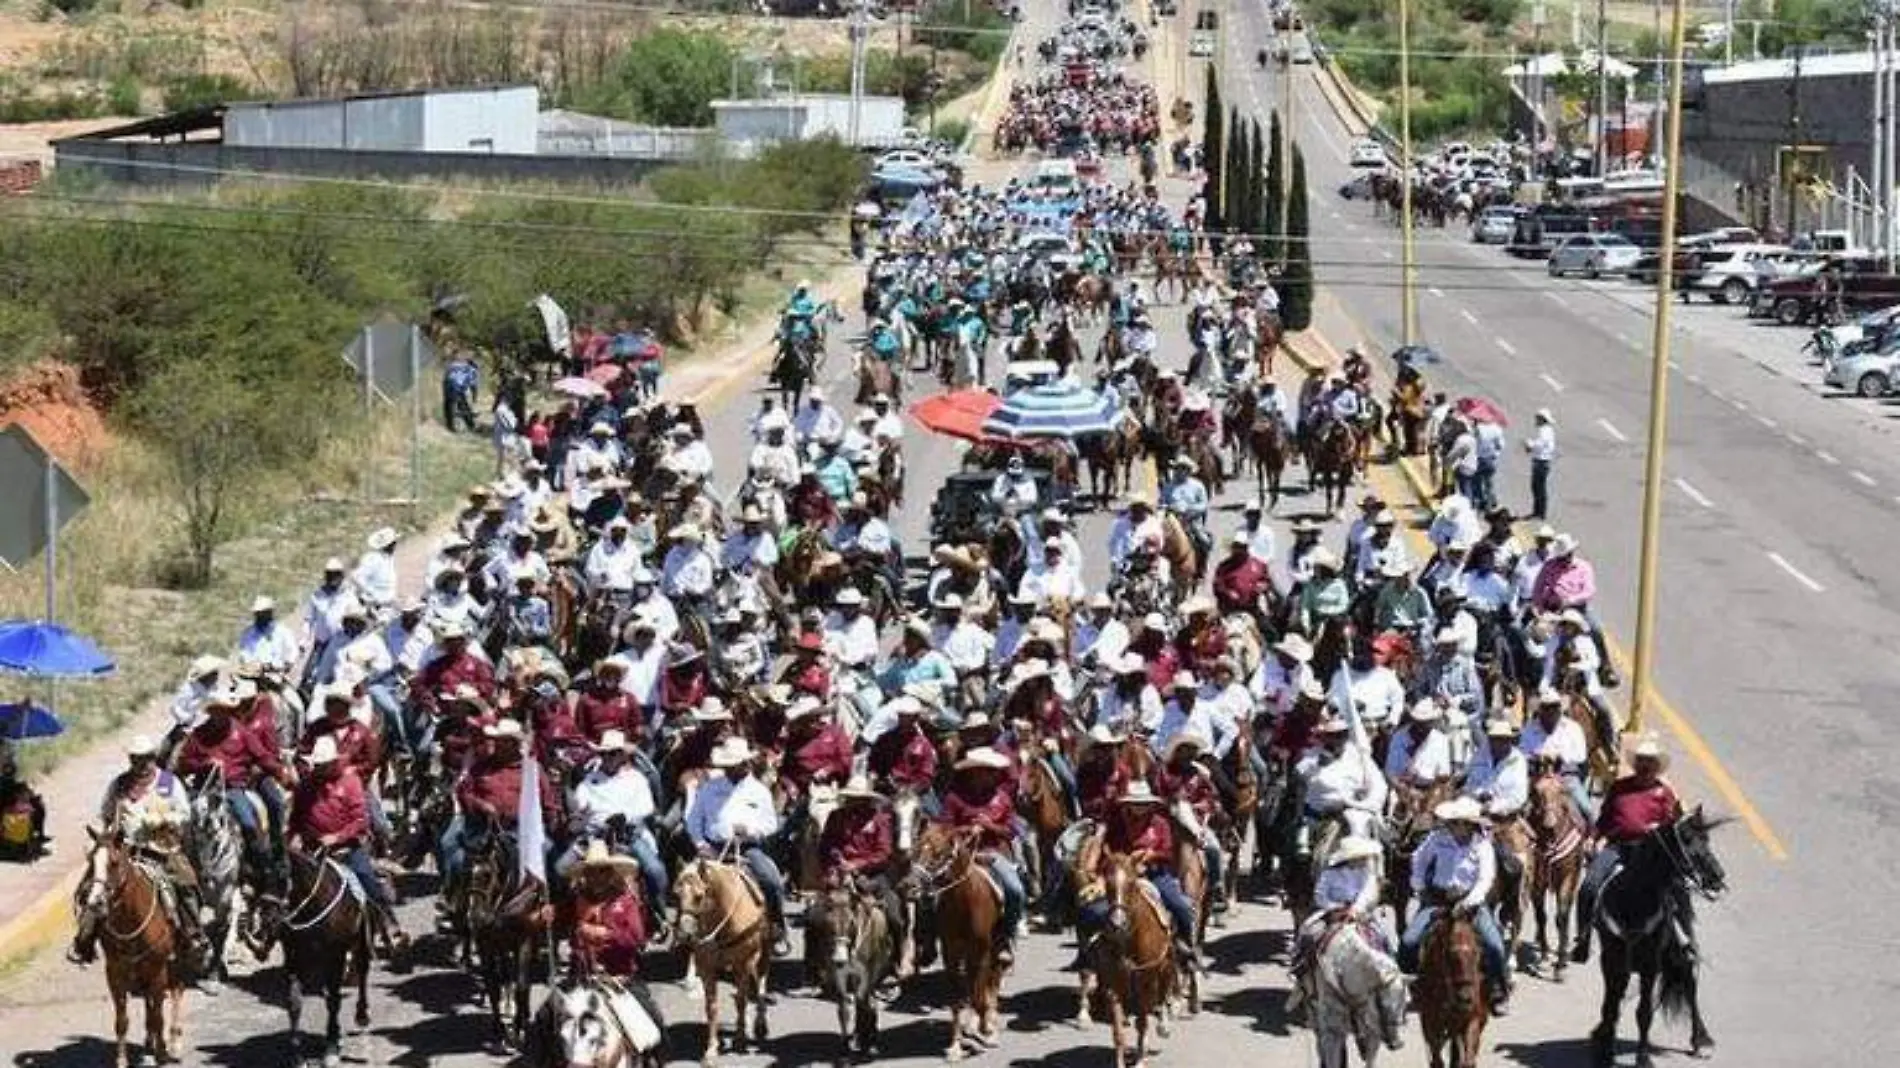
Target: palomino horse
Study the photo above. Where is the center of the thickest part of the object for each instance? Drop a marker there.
(722, 922)
(1134, 957)
(1558, 833)
(1452, 1009)
(1186, 563)
(853, 945)
(969, 908)
(1360, 996)
(141, 947)
(325, 933)
(1643, 920)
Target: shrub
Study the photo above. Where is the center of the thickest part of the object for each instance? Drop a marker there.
(972, 27)
(205, 90)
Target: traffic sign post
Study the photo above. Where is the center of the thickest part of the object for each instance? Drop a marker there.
(389, 357)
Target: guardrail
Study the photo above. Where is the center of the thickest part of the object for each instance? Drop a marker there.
(1346, 102)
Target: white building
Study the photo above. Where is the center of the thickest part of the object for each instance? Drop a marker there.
(490, 120)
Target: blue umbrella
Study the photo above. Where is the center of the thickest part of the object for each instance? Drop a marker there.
(28, 721)
(1052, 410)
(32, 647)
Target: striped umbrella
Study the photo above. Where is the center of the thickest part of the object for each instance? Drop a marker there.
(1052, 410)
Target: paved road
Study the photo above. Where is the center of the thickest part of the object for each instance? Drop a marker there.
(1775, 517)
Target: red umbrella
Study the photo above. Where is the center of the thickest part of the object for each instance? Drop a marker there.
(959, 413)
(1482, 410)
(605, 373)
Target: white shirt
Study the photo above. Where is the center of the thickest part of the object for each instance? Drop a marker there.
(821, 422)
(666, 619)
(272, 646)
(1490, 438)
(410, 647)
(692, 460)
(1348, 782)
(967, 646)
(1260, 542)
(1462, 457)
(188, 704)
(724, 810)
(1198, 722)
(1275, 687)
(687, 572)
(1584, 661)
(367, 654)
(1524, 576)
(457, 607)
(1371, 555)
(1542, 444)
(1124, 535)
(642, 680)
(1118, 712)
(1226, 710)
(1508, 782)
(1566, 738)
(1043, 585)
(853, 643)
(873, 536)
(1418, 761)
(1038, 556)
(1106, 642)
(1466, 871)
(759, 550)
(781, 461)
(888, 426)
(600, 797)
(610, 566)
(1379, 695)
(319, 614)
(1019, 490)
(500, 572)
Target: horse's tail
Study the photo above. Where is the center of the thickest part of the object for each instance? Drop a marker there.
(1676, 977)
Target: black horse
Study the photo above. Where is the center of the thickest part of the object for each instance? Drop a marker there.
(1645, 919)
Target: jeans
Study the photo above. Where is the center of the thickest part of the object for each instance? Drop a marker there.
(378, 818)
(1467, 485)
(383, 696)
(1490, 942)
(1215, 865)
(457, 404)
(1065, 776)
(1175, 900)
(1484, 485)
(1010, 881)
(771, 883)
(1540, 489)
(357, 860)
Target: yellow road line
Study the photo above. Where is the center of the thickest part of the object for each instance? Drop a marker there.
(1679, 725)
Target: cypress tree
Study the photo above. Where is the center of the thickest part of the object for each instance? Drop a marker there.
(1234, 208)
(1212, 159)
(1256, 186)
(1275, 188)
(1296, 303)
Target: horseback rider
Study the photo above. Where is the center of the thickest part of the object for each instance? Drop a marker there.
(980, 797)
(858, 844)
(1552, 735)
(149, 809)
(1138, 828)
(612, 809)
(817, 421)
(1419, 756)
(1325, 596)
(1185, 782)
(733, 814)
(1454, 868)
(1186, 496)
(1570, 658)
(1343, 786)
(609, 917)
(331, 814)
(904, 757)
(245, 762)
(1347, 890)
(1636, 805)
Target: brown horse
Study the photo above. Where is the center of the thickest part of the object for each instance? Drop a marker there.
(1134, 957)
(1046, 811)
(722, 924)
(500, 917)
(1269, 331)
(877, 375)
(1241, 808)
(141, 947)
(1185, 562)
(1090, 297)
(1557, 838)
(1510, 895)
(1410, 821)
(325, 933)
(1110, 456)
(1332, 462)
(1450, 990)
(969, 907)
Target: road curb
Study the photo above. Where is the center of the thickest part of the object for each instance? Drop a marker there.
(42, 922)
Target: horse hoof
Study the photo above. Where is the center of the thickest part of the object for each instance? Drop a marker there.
(953, 1054)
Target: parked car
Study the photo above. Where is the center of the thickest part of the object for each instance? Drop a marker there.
(1727, 274)
(1494, 225)
(1592, 255)
(1867, 374)
(1367, 153)
(1542, 228)
(1851, 339)
(1301, 51)
(1358, 188)
(1844, 285)
(1057, 248)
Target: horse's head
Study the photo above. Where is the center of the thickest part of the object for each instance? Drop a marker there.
(1549, 811)
(1117, 887)
(1691, 849)
(693, 892)
(106, 865)
(583, 1029)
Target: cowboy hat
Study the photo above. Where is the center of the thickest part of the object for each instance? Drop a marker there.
(1197, 605)
(805, 705)
(1138, 792)
(1323, 557)
(858, 787)
(1500, 728)
(1384, 518)
(1574, 617)
(142, 745)
(1563, 545)
(205, 665)
(682, 654)
(918, 627)
(599, 428)
(323, 752)
(599, 858)
(544, 523)
(1306, 525)
(1392, 567)
(1295, 646)
(1188, 738)
(1353, 848)
(904, 705)
(1185, 680)
(732, 753)
(1458, 810)
(1426, 710)
(334, 566)
(1025, 671)
(1131, 664)
(1099, 599)
(1446, 636)
(1549, 698)
(382, 538)
(1103, 734)
(503, 730)
(613, 740)
(983, 758)
(849, 596)
(1312, 690)
(1332, 725)
(1154, 621)
(1044, 629)
(263, 604)
(1545, 532)
(683, 532)
(1650, 748)
(1239, 537)
(711, 710)
(976, 721)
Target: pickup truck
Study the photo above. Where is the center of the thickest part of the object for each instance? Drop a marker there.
(1844, 286)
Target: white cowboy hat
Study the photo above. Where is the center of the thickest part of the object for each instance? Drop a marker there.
(1181, 739)
(507, 728)
(334, 566)
(1044, 629)
(1323, 557)
(1054, 515)
(1154, 621)
(848, 596)
(599, 428)
(1141, 500)
(975, 721)
(382, 538)
(1446, 636)
(919, 627)
(983, 757)
(1312, 690)
(1295, 646)
(1650, 748)
(1458, 810)
(1460, 543)
(1197, 604)
(859, 786)
(205, 665)
(1239, 537)
(1384, 518)
(1185, 680)
(1392, 567)
(142, 745)
(1545, 532)
(731, 753)
(613, 740)
(1500, 728)
(1549, 698)
(619, 522)
(903, 705)
(263, 604)
(1025, 671)
(1138, 792)
(1574, 617)
(599, 857)
(1103, 734)
(952, 601)
(450, 629)
(711, 710)
(1543, 416)
(1427, 711)
(1131, 664)
(1354, 848)
(1332, 725)
(1563, 545)
(323, 752)
(805, 705)
(683, 532)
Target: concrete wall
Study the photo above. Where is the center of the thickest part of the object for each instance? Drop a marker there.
(1740, 125)
(205, 163)
(378, 123)
(504, 121)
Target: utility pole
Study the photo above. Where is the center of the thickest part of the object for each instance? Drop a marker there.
(860, 29)
(1728, 33)
(1792, 158)
(1534, 77)
(1891, 164)
(1408, 300)
(1603, 88)
(1661, 77)
(1878, 171)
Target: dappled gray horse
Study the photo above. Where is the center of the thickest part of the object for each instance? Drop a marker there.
(1359, 995)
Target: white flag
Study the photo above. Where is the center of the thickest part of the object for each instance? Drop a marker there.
(530, 835)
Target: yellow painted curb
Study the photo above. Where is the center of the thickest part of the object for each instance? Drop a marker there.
(43, 922)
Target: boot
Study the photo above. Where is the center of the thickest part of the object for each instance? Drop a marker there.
(1586, 913)
(1185, 953)
(1499, 994)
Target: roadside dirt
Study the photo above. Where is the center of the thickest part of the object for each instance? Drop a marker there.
(47, 400)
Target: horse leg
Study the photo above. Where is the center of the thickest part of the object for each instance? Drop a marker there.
(1566, 898)
(741, 987)
(709, 993)
(760, 1032)
(1616, 980)
(1645, 1013)
(1117, 1026)
(524, 989)
(293, 1005)
(333, 1019)
(954, 1052)
(1700, 1040)
(156, 1051)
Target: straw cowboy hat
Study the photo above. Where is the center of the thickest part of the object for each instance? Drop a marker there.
(1500, 728)
(613, 740)
(505, 730)
(323, 752)
(1139, 792)
(143, 745)
(600, 860)
(1354, 848)
(1185, 738)
(1295, 646)
(1332, 725)
(1650, 748)
(731, 753)
(382, 538)
(983, 758)
(711, 710)
(1103, 734)
(859, 789)
(1458, 810)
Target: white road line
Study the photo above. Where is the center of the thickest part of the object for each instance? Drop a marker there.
(1610, 429)
(1561, 302)
(1718, 395)
(1741, 406)
(1625, 339)
(1509, 349)
(1694, 494)
(1797, 439)
(1556, 386)
(1826, 457)
(1435, 291)
(1795, 573)
(1469, 318)
(1765, 421)
(1862, 477)
(1386, 252)
(1696, 379)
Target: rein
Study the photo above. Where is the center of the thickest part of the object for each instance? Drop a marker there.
(151, 913)
(342, 890)
(1678, 857)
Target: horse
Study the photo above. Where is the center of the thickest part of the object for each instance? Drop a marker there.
(1410, 821)
(1241, 809)
(141, 947)
(1511, 894)
(217, 855)
(853, 945)
(1134, 957)
(1046, 810)
(1452, 1008)
(1643, 918)
(1332, 459)
(598, 1022)
(969, 908)
(1267, 444)
(1558, 833)
(722, 923)
(1110, 456)
(1359, 995)
(325, 934)
(877, 375)
(1186, 563)
(498, 919)
(794, 369)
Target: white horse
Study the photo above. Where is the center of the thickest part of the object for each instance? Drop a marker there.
(1359, 994)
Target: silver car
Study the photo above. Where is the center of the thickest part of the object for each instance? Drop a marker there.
(1495, 225)
(1867, 374)
(1593, 255)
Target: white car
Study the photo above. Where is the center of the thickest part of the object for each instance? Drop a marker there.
(905, 159)
(1367, 153)
(1593, 255)
(1728, 274)
(1054, 247)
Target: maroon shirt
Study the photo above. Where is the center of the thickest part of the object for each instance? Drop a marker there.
(1633, 808)
(233, 748)
(1238, 585)
(333, 806)
(858, 838)
(1190, 784)
(493, 788)
(1098, 783)
(905, 759)
(821, 754)
(355, 745)
(617, 950)
(596, 713)
(445, 673)
(965, 807)
(1132, 828)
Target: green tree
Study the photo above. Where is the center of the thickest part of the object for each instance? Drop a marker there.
(671, 77)
(1275, 190)
(1257, 199)
(1212, 159)
(1296, 291)
(1234, 186)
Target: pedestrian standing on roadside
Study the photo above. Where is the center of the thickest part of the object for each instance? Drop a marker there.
(1542, 447)
(460, 379)
(1490, 452)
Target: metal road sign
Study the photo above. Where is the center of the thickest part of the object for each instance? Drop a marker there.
(380, 355)
(28, 522)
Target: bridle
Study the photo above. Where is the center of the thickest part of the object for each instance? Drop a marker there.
(1669, 839)
(112, 889)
